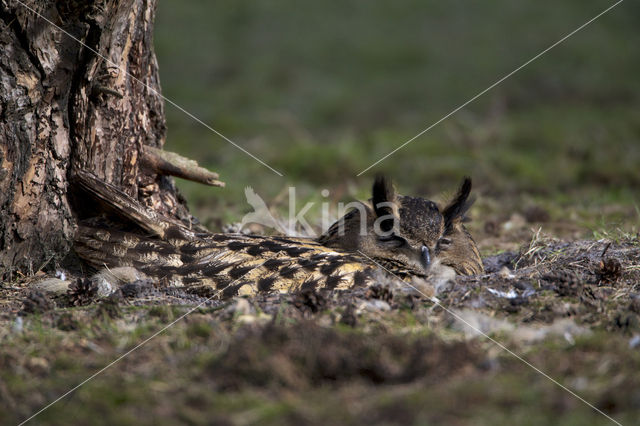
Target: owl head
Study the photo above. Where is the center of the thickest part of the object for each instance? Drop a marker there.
(408, 234)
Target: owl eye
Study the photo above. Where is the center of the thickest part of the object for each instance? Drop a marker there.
(444, 243)
(392, 241)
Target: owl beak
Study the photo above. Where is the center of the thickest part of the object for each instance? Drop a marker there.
(426, 257)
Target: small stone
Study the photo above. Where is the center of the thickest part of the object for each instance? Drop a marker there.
(51, 287)
(373, 306)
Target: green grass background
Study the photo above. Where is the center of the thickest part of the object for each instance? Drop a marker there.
(321, 90)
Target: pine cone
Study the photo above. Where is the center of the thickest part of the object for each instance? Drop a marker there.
(609, 271)
(82, 292)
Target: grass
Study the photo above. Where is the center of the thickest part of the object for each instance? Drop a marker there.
(182, 375)
(320, 91)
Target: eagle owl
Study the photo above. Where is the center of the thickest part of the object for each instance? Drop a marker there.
(397, 235)
(422, 234)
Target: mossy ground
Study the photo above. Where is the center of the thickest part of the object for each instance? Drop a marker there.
(320, 92)
(365, 356)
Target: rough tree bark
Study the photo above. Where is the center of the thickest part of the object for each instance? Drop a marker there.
(91, 104)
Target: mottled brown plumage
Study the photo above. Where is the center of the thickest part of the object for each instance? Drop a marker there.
(420, 224)
(456, 247)
(412, 235)
(226, 264)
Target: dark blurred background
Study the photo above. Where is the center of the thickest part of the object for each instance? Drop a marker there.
(321, 90)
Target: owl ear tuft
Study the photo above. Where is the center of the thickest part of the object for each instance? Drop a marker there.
(456, 209)
(384, 202)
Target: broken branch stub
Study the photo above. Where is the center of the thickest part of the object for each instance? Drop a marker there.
(172, 164)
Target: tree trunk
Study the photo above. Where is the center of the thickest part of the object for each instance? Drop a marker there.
(86, 104)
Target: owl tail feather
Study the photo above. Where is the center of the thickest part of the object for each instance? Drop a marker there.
(128, 209)
(104, 243)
